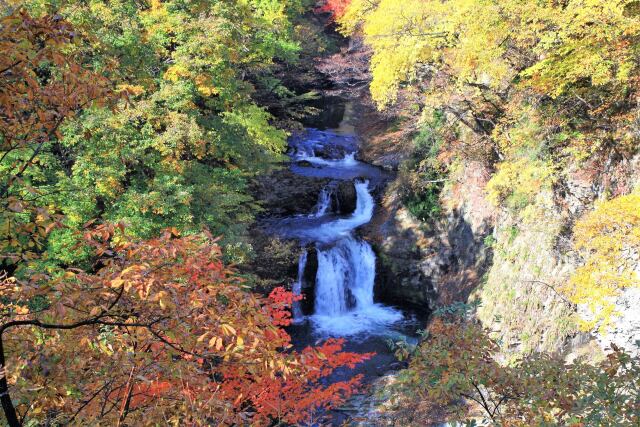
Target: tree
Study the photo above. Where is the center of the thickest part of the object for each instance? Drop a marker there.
(458, 361)
(337, 8)
(161, 332)
(180, 145)
(101, 326)
(41, 86)
(609, 237)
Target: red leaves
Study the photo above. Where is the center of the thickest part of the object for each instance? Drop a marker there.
(281, 301)
(337, 8)
(171, 312)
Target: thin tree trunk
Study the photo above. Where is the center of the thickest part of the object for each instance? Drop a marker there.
(5, 398)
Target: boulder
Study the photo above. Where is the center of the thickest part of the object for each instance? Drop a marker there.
(345, 200)
(283, 193)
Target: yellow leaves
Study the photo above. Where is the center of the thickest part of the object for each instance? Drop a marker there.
(479, 42)
(412, 38)
(95, 311)
(21, 310)
(228, 329)
(516, 183)
(584, 47)
(116, 283)
(156, 4)
(216, 343)
(609, 239)
(205, 86)
(176, 72)
(131, 90)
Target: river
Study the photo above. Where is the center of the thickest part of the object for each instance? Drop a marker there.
(344, 301)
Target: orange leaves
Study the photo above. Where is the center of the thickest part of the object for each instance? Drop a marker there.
(169, 310)
(34, 107)
(458, 365)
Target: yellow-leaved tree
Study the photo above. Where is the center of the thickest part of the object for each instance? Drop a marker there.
(609, 239)
(468, 46)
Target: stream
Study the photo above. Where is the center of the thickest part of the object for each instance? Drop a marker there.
(342, 286)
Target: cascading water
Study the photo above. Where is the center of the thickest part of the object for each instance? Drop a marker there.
(297, 288)
(344, 303)
(344, 286)
(324, 202)
(345, 277)
(341, 299)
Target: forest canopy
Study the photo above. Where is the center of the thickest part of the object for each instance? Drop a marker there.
(129, 132)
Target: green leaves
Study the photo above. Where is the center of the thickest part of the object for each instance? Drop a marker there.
(180, 146)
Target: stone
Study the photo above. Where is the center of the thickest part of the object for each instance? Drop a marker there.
(346, 198)
(283, 193)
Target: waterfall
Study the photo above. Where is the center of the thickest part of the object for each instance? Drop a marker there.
(345, 277)
(346, 264)
(297, 288)
(344, 227)
(324, 202)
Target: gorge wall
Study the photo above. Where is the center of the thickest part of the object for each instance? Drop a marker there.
(512, 263)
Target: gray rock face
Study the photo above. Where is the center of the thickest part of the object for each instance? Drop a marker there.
(345, 201)
(420, 265)
(626, 330)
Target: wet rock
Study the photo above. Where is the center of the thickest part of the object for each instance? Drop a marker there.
(330, 112)
(275, 260)
(283, 193)
(309, 281)
(346, 198)
(332, 151)
(422, 265)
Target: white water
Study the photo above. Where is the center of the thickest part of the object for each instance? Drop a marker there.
(297, 289)
(348, 161)
(324, 202)
(343, 227)
(346, 275)
(344, 289)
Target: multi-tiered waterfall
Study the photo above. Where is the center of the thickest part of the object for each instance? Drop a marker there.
(344, 281)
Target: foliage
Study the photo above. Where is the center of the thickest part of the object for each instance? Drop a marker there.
(458, 361)
(551, 46)
(541, 81)
(516, 184)
(425, 205)
(609, 239)
(40, 87)
(142, 113)
(337, 8)
(161, 332)
(423, 172)
(535, 91)
(185, 134)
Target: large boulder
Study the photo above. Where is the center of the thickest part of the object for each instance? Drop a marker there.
(283, 193)
(345, 200)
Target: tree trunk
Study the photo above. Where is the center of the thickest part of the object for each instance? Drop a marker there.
(5, 398)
